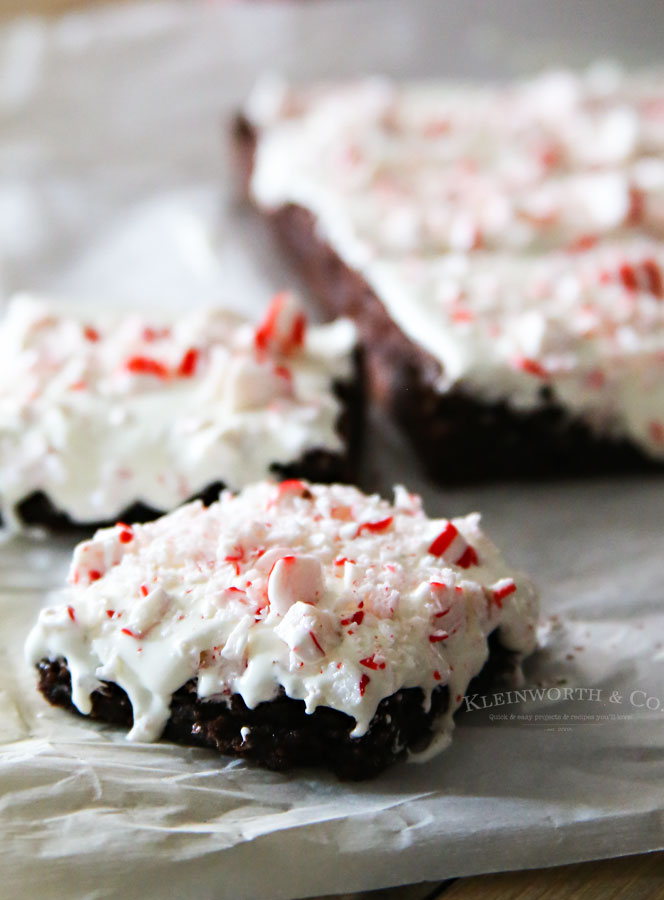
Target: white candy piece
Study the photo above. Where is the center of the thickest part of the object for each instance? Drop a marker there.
(295, 578)
(308, 632)
(449, 616)
(93, 558)
(236, 642)
(148, 611)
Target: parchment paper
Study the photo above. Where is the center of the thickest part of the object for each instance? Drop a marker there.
(115, 187)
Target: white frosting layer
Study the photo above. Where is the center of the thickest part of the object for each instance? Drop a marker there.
(100, 410)
(338, 597)
(514, 232)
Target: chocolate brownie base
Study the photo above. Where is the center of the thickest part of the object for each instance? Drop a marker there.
(281, 735)
(458, 437)
(316, 465)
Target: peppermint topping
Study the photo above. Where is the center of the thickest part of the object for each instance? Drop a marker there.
(188, 364)
(502, 589)
(452, 545)
(294, 578)
(145, 365)
(99, 415)
(284, 326)
(270, 588)
(375, 527)
(372, 663)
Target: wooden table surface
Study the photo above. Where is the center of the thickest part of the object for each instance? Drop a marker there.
(628, 878)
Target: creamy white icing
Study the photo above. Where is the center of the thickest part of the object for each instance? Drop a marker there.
(99, 410)
(338, 597)
(513, 231)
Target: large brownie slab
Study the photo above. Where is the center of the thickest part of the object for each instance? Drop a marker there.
(459, 436)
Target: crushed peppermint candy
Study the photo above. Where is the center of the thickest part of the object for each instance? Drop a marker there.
(269, 588)
(284, 327)
(451, 544)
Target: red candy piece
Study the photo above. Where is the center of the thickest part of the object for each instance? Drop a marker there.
(371, 663)
(498, 594)
(468, 558)
(188, 364)
(438, 636)
(444, 539)
(131, 633)
(356, 618)
(146, 365)
(643, 276)
(531, 366)
(292, 487)
(342, 560)
(284, 327)
(628, 277)
(236, 560)
(452, 543)
(381, 525)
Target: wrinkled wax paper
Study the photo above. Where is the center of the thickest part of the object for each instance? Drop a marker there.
(115, 186)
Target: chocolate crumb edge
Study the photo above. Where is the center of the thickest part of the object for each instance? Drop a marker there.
(279, 734)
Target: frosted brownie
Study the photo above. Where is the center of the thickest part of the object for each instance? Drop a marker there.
(291, 624)
(500, 249)
(118, 415)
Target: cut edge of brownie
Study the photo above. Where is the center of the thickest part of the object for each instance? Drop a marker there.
(317, 464)
(459, 438)
(281, 735)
